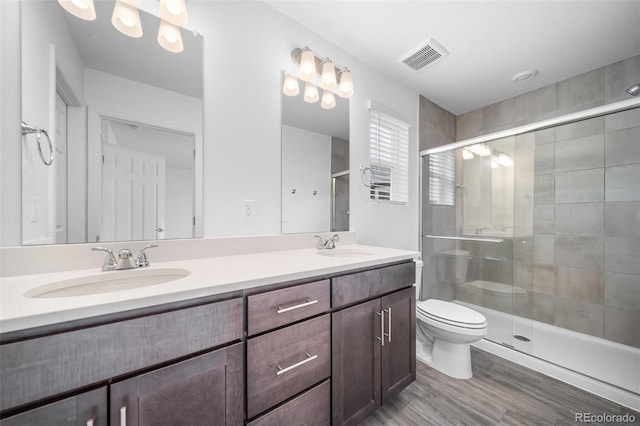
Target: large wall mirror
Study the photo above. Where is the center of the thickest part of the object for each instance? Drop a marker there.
(315, 166)
(126, 120)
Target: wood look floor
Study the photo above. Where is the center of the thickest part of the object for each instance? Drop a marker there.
(500, 393)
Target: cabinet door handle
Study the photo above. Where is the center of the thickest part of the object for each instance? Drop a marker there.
(382, 333)
(389, 335)
(308, 302)
(123, 416)
(296, 365)
(90, 422)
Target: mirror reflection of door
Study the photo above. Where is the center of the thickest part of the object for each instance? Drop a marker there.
(147, 182)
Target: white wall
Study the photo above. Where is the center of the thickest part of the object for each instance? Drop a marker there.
(247, 45)
(306, 167)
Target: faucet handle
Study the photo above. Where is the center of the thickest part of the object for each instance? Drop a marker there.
(142, 260)
(320, 244)
(109, 261)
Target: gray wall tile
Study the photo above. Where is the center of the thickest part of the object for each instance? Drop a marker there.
(543, 249)
(581, 92)
(582, 186)
(579, 252)
(544, 189)
(544, 308)
(585, 285)
(580, 219)
(621, 325)
(622, 254)
(619, 76)
(580, 154)
(580, 129)
(536, 105)
(544, 279)
(544, 219)
(579, 316)
(469, 125)
(623, 183)
(622, 291)
(622, 219)
(544, 159)
(623, 147)
(545, 136)
(499, 116)
(622, 120)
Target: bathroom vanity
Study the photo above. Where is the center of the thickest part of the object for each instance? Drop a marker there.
(281, 348)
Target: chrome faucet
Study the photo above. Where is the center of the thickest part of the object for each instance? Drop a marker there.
(327, 244)
(125, 259)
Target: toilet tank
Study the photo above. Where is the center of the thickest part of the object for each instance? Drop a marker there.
(452, 266)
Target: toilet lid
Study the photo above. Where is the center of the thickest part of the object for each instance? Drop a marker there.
(452, 313)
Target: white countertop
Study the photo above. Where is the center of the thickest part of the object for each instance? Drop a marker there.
(208, 276)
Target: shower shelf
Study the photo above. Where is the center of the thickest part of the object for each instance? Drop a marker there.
(442, 237)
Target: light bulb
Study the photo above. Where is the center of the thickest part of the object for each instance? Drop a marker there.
(328, 100)
(346, 84)
(126, 19)
(328, 77)
(311, 93)
(170, 37)
(174, 11)
(307, 65)
(290, 86)
(83, 9)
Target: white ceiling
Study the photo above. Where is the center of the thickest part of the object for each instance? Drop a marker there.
(488, 41)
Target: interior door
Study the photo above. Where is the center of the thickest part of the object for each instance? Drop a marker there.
(133, 194)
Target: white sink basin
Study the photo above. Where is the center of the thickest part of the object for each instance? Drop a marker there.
(107, 282)
(344, 252)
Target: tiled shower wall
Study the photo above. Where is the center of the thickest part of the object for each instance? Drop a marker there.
(581, 205)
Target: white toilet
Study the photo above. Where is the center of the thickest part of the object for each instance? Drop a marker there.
(447, 330)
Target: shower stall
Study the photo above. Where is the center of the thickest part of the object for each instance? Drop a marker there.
(538, 228)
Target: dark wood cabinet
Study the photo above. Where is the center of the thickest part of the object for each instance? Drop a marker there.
(373, 354)
(205, 390)
(85, 409)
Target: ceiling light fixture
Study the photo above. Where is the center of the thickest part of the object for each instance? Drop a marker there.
(83, 9)
(332, 79)
(523, 76)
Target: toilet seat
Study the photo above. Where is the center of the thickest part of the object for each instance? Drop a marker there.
(451, 314)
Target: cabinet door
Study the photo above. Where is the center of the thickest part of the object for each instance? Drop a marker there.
(399, 350)
(85, 409)
(356, 362)
(204, 390)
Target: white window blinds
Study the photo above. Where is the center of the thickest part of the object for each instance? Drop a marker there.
(389, 141)
(442, 178)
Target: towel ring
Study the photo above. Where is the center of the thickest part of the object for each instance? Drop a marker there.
(28, 129)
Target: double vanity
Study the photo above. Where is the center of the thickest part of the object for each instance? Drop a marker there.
(301, 336)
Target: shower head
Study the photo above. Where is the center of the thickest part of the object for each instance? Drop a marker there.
(634, 90)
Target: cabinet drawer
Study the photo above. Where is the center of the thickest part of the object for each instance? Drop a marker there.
(349, 289)
(312, 408)
(281, 307)
(285, 362)
(41, 367)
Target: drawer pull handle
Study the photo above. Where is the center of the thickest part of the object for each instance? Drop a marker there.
(90, 422)
(308, 302)
(296, 365)
(381, 338)
(123, 416)
(389, 335)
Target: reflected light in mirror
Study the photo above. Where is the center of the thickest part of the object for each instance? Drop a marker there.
(328, 77)
(505, 160)
(290, 87)
(480, 149)
(467, 155)
(307, 65)
(83, 9)
(126, 19)
(170, 37)
(311, 94)
(346, 84)
(494, 162)
(328, 100)
(174, 11)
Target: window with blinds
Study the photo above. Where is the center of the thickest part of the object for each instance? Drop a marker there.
(442, 178)
(389, 140)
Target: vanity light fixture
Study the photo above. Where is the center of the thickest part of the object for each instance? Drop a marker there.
(328, 76)
(328, 100)
(126, 18)
(174, 11)
(307, 65)
(170, 37)
(311, 94)
(346, 84)
(83, 9)
(290, 87)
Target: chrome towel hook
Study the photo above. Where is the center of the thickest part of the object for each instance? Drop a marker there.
(28, 129)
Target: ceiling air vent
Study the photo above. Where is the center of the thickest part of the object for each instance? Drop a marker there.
(424, 55)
